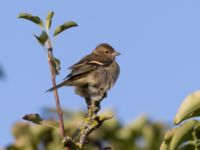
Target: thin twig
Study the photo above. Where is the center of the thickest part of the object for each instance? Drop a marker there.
(53, 76)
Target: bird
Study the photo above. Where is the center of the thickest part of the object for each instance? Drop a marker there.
(94, 74)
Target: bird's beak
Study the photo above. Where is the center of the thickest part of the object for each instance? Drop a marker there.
(116, 53)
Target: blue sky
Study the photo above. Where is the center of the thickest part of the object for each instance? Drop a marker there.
(159, 42)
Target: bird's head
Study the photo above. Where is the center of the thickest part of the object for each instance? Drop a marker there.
(106, 50)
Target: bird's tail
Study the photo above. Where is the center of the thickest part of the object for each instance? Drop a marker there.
(56, 87)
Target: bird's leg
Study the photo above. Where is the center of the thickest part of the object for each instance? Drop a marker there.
(89, 107)
(93, 105)
(104, 96)
(95, 102)
(88, 102)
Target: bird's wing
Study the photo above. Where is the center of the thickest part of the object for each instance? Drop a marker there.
(92, 59)
(87, 64)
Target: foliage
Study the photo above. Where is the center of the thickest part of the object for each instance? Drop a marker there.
(32, 18)
(142, 134)
(64, 26)
(187, 134)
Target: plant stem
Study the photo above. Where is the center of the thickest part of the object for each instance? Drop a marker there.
(53, 76)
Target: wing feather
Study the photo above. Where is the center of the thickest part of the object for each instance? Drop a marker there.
(87, 64)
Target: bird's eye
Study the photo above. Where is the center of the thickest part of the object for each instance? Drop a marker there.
(106, 52)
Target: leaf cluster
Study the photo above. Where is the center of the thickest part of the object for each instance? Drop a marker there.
(187, 133)
(44, 37)
(141, 134)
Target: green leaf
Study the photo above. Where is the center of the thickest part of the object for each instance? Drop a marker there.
(56, 65)
(164, 146)
(35, 118)
(32, 18)
(49, 20)
(183, 133)
(167, 139)
(189, 108)
(42, 38)
(169, 135)
(63, 27)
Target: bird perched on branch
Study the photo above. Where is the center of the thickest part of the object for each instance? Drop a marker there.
(94, 74)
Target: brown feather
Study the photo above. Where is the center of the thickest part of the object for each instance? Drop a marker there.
(94, 74)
